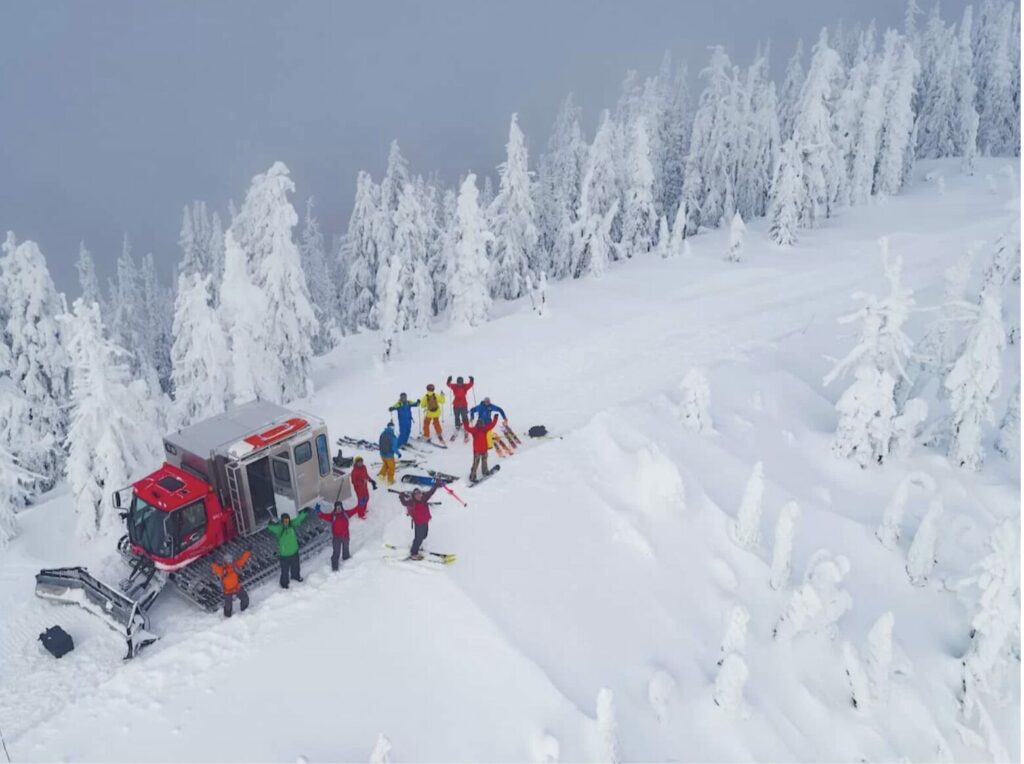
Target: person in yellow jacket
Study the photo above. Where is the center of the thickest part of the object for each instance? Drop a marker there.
(432, 403)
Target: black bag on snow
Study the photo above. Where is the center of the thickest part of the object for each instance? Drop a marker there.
(537, 431)
(57, 641)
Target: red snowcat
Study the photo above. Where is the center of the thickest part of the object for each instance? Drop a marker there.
(223, 480)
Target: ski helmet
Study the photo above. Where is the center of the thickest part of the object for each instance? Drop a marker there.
(402, 396)
(459, 380)
(338, 506)
(358, 460)
(430, 388)
(226, 556)
(486, 400)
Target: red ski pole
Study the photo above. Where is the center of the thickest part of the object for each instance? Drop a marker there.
(454, 495)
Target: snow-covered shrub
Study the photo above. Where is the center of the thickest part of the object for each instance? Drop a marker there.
(695, 402)
(732, 677)
(662, 248)
(737, 236)
(660, 692)
(746, 530)
(907, 427)
(782, 551)
(889, 529)
(678, 245)
(546, 749)
(921, 555)
(539, 294)
(381, 750)
(974, 382)
(607, 729)
(860, 688)
(879, 656)
(735, 638)
(995, 627)
(867, 411)
(658, 484)
(1008, 442)
(819, 602)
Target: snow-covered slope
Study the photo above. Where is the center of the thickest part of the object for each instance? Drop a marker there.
(600, 559)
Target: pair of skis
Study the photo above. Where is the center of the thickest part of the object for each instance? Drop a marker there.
(346, 440)
(434, 558)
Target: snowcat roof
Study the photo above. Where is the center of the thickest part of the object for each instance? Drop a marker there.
(208, 436)
(170, 488)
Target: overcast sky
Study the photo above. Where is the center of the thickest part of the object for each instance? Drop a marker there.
(116, 114)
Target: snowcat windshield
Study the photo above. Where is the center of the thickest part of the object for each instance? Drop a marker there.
(165, 534)
(148, 528)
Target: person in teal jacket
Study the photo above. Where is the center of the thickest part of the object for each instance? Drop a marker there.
(288, 545)
(404, 408)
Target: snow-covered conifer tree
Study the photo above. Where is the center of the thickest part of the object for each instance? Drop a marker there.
(411, 246)
(789, 97)
(860, 687)
(381, 750)
(513, 220)
(729, 684)
(599, 205)
(391, 306)
(664, 239)
(86, 268)
(850, 106)
(921, 555)
(114, 426)
(33, 341)
(639, 218)
(973, 382)
(747, 528)
(468, 295)
(737, 235)
(607, 728)
(322, 292)
(821, 164)
(994, 74)
(995, 625)
(16, 488)
(1008, 442)
(878, 656)
(782, 551)
(896, 150)
(867, 410)
(819, 602)
(263, 231)
(907, 426)
(559, 179)
(539, 294)
(361, 255)
(872, 121)
(215, 248)
(695, 401)
(786, 197)
(200, 357)
(735, 638)
(965, 94)
(156, 333)
(937, 119)
(243, 315)
(194, 240)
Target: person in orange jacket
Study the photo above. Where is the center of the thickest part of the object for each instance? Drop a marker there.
(229, 572)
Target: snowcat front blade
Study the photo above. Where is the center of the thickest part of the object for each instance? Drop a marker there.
(125, 615)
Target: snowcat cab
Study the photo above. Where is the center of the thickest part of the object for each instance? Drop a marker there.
(224, 479)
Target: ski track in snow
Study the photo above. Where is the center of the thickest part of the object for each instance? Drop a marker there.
(567, 582)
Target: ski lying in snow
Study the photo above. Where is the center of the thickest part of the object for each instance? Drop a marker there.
(360, 443)
(516, 440)
(447, 557)
(494, 469)
(426, 559)
(428, 480)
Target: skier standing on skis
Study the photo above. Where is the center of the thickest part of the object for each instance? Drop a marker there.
(432, 404)
(360, 477)
(480, 433)
(417, 507)
(288, 545)
(388, 450)
(229, 571)
(339, 530)
(460, 406)
(404, 408)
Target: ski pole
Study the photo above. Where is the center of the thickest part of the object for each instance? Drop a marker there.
(454, 495)
(2, 740)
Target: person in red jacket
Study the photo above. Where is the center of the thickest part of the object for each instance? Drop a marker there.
(417, 507)
(339, 530)
(479, 432)
(360, 477)
(460, 406)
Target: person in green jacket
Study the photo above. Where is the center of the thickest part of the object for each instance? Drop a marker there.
(288, 545)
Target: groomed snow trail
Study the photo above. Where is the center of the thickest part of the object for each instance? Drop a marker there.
(599, 560)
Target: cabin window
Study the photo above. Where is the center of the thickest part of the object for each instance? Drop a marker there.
(322, 454)
(303, 453)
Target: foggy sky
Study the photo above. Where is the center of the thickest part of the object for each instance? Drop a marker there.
(116, 114)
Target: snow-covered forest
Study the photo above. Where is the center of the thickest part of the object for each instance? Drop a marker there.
(90, 382)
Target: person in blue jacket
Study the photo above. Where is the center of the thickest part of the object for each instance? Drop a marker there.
(484, 413)
(388, 452)
(404, 408)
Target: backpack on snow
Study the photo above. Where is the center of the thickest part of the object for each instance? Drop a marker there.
(432, 402)
(57, 641)
(537, 431)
